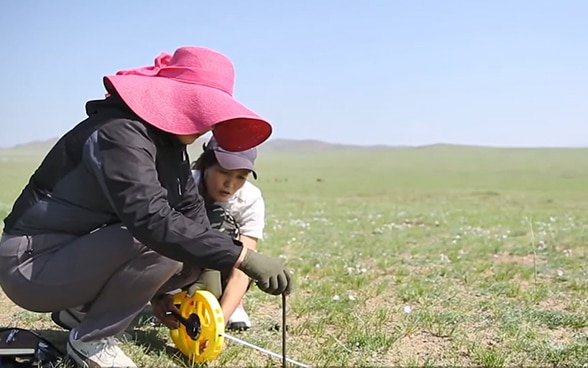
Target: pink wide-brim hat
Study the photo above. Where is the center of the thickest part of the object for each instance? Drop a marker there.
(189, 93)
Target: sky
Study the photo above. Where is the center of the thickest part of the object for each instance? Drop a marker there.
(499, 73)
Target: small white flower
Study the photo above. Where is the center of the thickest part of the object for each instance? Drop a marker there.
(560, 273)
(336, 297)
(351, 297)
(407, 309)
(317, 265)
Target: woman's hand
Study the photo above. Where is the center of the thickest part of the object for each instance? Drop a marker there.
(163, 307)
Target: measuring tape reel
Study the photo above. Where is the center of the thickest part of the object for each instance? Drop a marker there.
(201, 332)
(200, 335)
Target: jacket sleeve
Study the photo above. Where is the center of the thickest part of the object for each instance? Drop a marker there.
(123, 160)
(192, 204)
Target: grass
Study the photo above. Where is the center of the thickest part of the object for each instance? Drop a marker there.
(436, 256)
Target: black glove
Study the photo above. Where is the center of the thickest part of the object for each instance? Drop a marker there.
(269, 273)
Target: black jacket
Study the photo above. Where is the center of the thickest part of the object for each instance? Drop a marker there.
(113, 168)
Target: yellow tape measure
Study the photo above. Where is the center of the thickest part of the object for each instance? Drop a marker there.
(201, 333)
(208, 344)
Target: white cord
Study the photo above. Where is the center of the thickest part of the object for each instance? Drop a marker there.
(229, 337)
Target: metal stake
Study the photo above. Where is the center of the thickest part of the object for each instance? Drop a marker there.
(284, 358)
(283, 330)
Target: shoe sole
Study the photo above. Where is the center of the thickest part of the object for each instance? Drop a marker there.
(79, 358)
(238, 326)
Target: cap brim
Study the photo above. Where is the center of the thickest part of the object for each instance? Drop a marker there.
(230, 161)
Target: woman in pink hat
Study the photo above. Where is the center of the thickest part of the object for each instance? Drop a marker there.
(234, 205)
(112, 219)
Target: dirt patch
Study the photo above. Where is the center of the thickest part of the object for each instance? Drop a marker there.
(418, 348)
(526, 260)
(7, 310)
(553, 304)
(559, 335)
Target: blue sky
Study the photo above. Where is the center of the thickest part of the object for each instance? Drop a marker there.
(503, 73)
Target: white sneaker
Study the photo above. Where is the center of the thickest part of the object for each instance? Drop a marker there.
(98, 354)
(239, 320)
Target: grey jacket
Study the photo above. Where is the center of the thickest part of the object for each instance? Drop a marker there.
(115, 168)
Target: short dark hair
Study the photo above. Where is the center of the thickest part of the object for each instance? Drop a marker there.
(204, 161)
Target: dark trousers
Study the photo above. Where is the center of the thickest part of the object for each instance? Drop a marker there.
(107, 270)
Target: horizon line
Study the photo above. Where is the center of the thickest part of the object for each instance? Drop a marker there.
(52, 141)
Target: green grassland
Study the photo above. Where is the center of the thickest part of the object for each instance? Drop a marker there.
(432, 256)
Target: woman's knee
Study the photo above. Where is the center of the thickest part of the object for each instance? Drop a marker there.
(168, 265)
(210, 280)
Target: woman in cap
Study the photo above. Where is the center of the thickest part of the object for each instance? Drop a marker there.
(234, 205)
(112, 219)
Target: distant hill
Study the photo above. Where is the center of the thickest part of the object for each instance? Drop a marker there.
(313, 146)
(272, 145)
(35, 146)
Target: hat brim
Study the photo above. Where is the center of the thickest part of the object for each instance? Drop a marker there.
(230, 161)
(189, 109)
